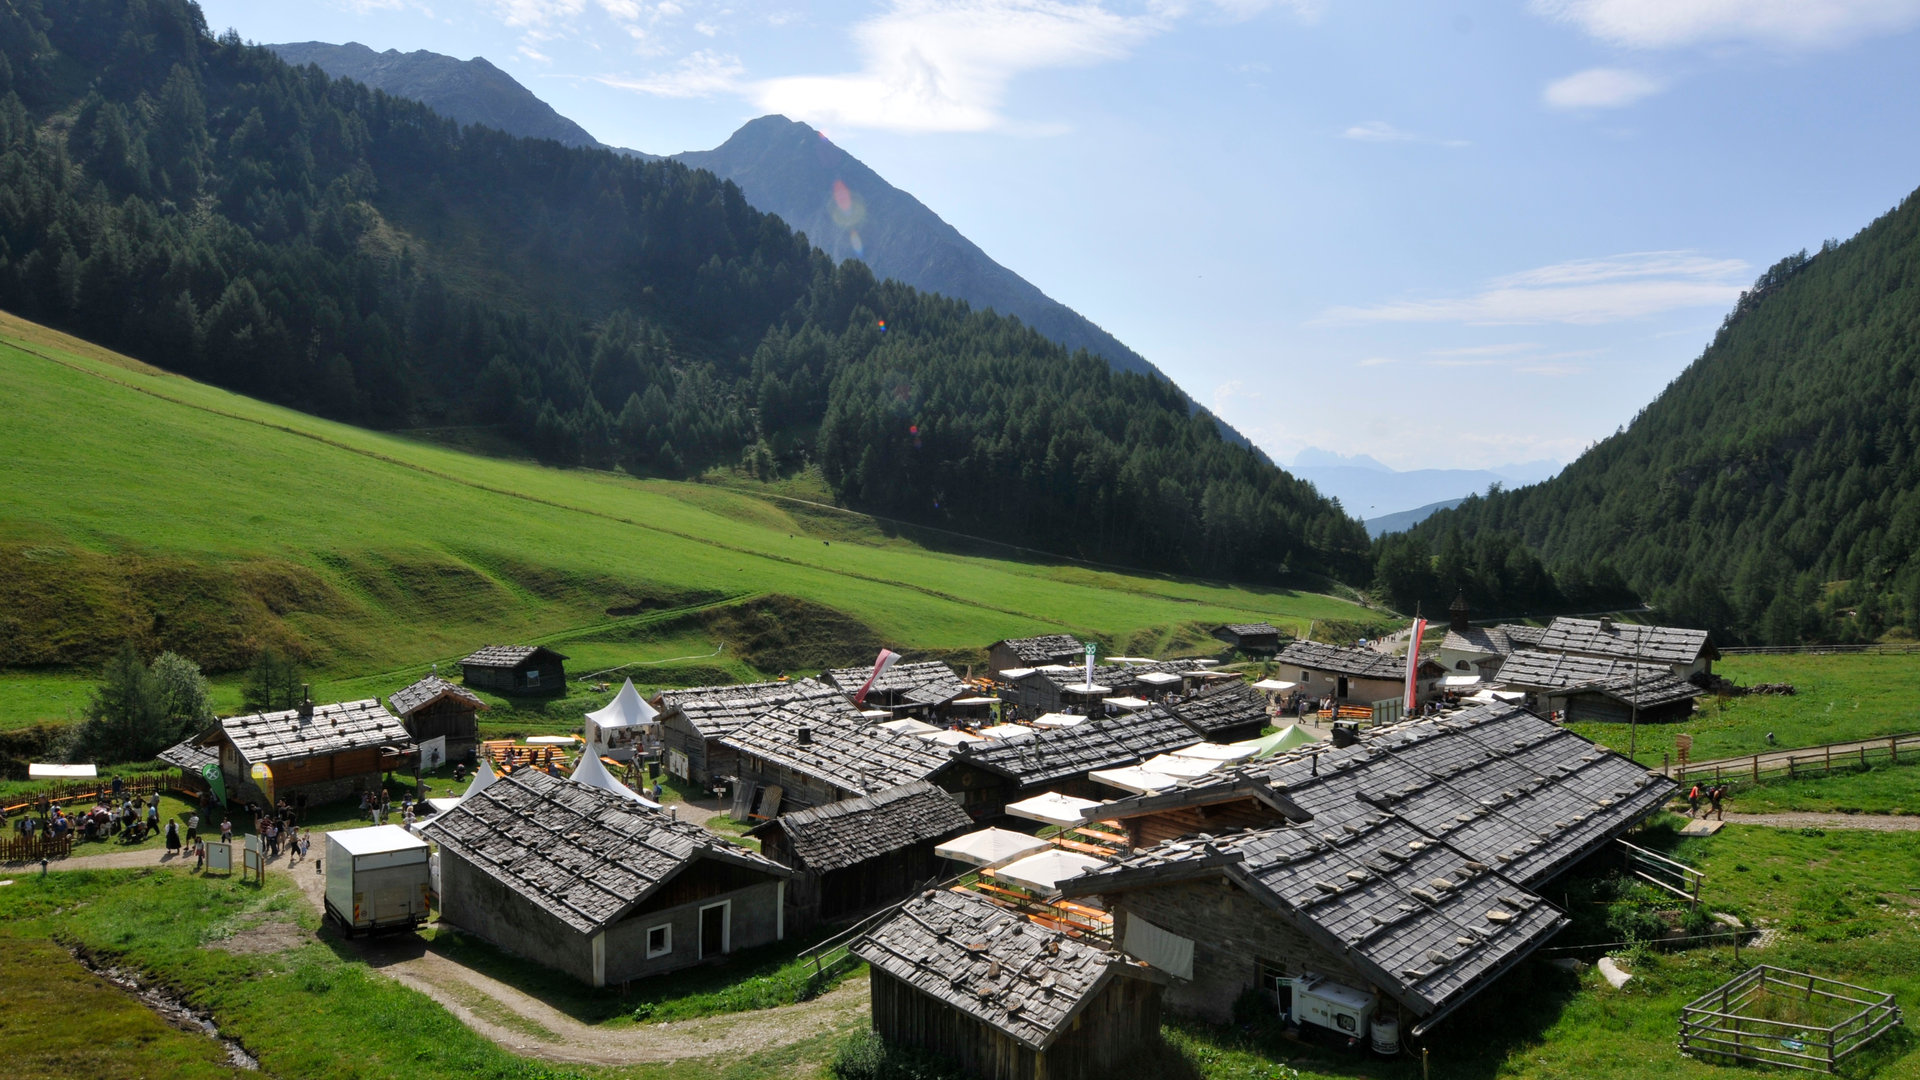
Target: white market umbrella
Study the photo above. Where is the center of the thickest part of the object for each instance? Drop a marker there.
(1134, 779)
(1043, 872)
(1207, 751)
(1158, 678)
(990, 847)
(1274, 686)
(1005, 731)
(1053, 808)
(1186, 768)
(1059, 719)
(949, 737)
(1129, 704)
(908, 726)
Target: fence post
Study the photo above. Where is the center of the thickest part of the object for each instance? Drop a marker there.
(1893, 750)
(1756, 768)
(1829, 749)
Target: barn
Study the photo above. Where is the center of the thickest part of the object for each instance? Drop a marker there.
(516, 669)
(979, 985)
(917, 689)
(810, 753)
(855, 855)
(1256, 639)
(986, 776)
(433, 708)
(1548, 678)
(316, 752)
(594, 884)
(1662, 699)
(695, 722)
(1681, 651)
(1409, 862)
(1033, 652)
(1225, 712)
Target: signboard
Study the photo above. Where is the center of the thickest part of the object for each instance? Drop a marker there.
(433, 753)
(677, 764)
(220, 857)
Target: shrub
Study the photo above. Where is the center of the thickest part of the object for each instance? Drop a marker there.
(866, 1056)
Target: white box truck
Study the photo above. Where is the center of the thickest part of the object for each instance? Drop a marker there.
(377, 879)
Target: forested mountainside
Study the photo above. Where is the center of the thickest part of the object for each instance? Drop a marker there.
(1772, 491)
(469, 91)
(202, 205)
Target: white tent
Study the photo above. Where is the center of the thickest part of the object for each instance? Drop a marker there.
(1207, 751)
(1005, 731)
(1129, 704)
(1134, 779)
(908, 726)
(1059, 719)
(1183, 767)
(39, 771)
(1053, 808)
(619, 726)
(1043, 872)
(593, 772)
(1274, 686)
(1460, 682)
(1159, 678)
(990, 847)
(482, 778)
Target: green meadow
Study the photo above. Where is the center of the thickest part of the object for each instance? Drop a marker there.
(145, 506)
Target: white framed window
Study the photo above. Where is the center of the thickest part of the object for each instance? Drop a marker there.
(659, 940)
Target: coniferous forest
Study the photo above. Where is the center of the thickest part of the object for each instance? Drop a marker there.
(199, 204)
(1772, 492)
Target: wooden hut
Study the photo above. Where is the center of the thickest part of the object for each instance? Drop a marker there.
(192, 760)
(1680, 650)
(1662, 699)
(1033, 652)
(811, 753)
(856, 855)
(1256, 639)
(516, 669)
(917, 689)
(695, 722)
(981, 986)
(591, 883)
(1547, 678)
(320, 752)
(986, 776)
(1228, 711)
(434, 708)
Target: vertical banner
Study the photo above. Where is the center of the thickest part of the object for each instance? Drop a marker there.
(211, 770)
(263, 779)
(1091, 649)
(1413, 660)
(885, 660)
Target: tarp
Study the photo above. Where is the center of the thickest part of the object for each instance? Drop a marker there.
(593, 772)
(39, 771)
(1274, 686)
(990, 847)
(1059, 719)
(1163, 949)
(1285, 739)
(1053, 808)
(1043, 871)
(1207, 751)
(1134, 779)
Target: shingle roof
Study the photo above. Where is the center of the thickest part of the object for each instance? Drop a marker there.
(1478, 639)
(407, 700)
(1045, 649)
(843, 749)
(505, 656)
(1663, 689)
(719, 711)
(928, 682)
(992, 964)
(1117, 678)
(333, 729)
(1531, 670)
(1359, 663)
(1631, 641)
(189, 755)
(1218, 708)
(1059, 753)
(1423, 921)
(585, 855)
(1523, 636)
(852, 831)
(1249, 629)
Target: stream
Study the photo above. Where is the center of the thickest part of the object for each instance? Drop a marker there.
(167, 1005)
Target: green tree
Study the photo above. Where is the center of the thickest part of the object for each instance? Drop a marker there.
(273, 682)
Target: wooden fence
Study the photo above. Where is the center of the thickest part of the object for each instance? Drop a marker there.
(1817, 1023)
(15, 847)
(89, 791)
(1852, 756)
(1893, 648)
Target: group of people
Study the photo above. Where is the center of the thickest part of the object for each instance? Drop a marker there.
(130, 819)
(1713, 794)
(378, 806)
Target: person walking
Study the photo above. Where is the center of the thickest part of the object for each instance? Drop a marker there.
(153, 814)
(1715, 794)
(1693, 801)
(226, 830)
(193, 827)
(173, 838)
(199, 855)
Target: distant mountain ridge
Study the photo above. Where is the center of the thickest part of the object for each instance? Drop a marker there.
(1372, 491)
(783, 167)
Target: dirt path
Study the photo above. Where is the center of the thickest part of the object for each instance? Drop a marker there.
(1798, 820)
(526, 1025)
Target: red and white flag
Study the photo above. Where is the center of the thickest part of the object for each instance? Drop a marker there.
(885, 660)
(1413, 659)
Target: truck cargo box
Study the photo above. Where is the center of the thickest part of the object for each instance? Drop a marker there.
(377, 878)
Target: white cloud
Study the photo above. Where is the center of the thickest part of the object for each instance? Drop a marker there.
(1376, 361)
(1601, 88)
(1581, 292)
(1658, 24)
(701, 74)
(538, 14)
(1379, 131)
(944, 65)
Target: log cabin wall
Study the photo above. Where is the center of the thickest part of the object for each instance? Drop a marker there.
(1151, 829)
(447, 717)
(1232, 934)
(1104, 1041)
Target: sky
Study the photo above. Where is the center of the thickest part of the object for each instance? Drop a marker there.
(1441, 234)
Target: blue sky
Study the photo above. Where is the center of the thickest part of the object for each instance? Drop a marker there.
(1443, 234)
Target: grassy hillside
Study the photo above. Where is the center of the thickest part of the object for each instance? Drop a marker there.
(145, 505)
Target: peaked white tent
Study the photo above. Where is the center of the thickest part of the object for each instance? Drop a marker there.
(618, 727)
(482, 778)
(593, 772)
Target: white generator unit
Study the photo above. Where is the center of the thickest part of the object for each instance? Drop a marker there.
(378, 878)
(1335, 1006)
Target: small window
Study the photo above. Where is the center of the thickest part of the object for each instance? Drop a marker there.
(1306, 676)
(533, 677)
(659, 941)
